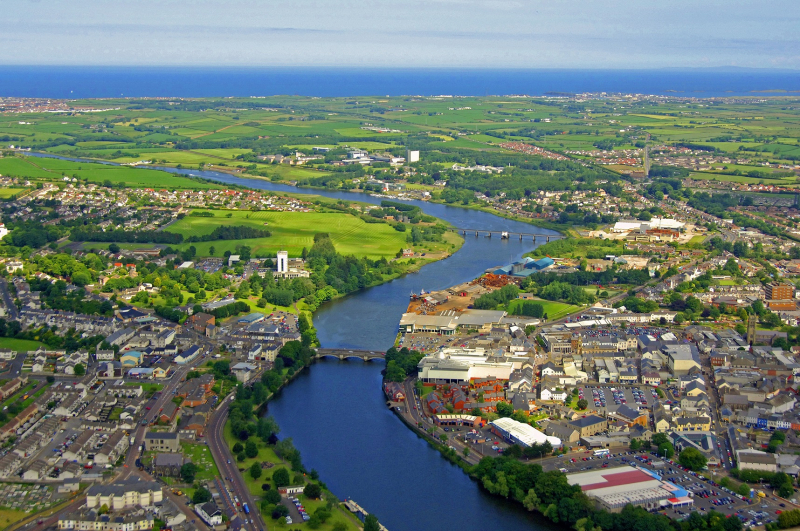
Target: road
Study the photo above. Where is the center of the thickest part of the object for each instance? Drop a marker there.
(230, 472)
(13, 312)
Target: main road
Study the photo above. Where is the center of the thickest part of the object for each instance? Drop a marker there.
(230, 473)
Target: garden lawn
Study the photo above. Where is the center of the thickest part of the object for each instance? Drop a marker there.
(292, 231)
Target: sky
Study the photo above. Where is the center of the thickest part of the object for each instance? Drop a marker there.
(605, 34)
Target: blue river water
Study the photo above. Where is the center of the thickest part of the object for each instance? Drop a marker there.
(336, 411)
(193, 82)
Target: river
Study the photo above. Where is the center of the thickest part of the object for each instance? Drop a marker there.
(336, 412)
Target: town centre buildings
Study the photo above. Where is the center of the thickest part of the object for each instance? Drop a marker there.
(446, 323)
(459, 365)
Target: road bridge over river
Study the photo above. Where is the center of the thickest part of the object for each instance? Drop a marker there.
(509, 234)
(343, 354)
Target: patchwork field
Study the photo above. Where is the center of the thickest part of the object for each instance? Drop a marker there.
(292, 231)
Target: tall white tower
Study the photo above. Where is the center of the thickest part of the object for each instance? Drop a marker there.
(283, 262)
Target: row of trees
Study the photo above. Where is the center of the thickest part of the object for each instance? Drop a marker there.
(231, 232)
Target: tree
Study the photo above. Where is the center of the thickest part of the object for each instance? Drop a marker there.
(582, 403)
(272, 496)
(666, 450)
(744, 490)
(504, 409)
(636, 444)
(251, 449)
(281, 477)
(692, 459)
(188, 471)
(103, 509)
(313, 490)
(237, 448)
(280, 511)
(201, 495)
(113, 248)
(531, 501)
(255, 470)
(371, 523)
(51, 379)
(80, 370)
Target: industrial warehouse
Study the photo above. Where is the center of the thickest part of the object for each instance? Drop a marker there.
(519, 433)
(614, 488)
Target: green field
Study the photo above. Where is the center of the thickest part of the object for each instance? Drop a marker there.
(5, 192)
(292, 231)
(554, 310)
(56, 169)
(20, 345)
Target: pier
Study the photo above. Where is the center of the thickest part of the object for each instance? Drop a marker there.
(359, 511)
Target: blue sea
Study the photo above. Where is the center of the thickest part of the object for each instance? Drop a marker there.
(107, 82)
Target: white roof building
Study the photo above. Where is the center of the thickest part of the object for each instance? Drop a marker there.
(522, 434)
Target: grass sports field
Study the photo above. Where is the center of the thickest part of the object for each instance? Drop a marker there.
(291, 231)
(554, 310)
(20, 345)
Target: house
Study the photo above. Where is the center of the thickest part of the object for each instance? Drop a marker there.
(244, 371)
(168, 412)
(630, 416)
(37, 470)
(188, 355)
(162, 442)
(209, 513)
(589, 425)
(395, 392)
(114, 447)
(199, 321)
(568, 434)
(552, 394)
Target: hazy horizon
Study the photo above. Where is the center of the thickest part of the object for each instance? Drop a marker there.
(518, 34)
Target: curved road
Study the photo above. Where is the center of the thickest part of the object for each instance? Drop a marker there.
(230, 473)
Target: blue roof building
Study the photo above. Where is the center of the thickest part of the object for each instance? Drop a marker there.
(542, 263)
(252, 318)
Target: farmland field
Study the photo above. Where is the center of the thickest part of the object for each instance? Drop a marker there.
(292, 231)
(56, 169)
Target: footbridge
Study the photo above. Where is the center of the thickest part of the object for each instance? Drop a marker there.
(343, 354)
(509, 234)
